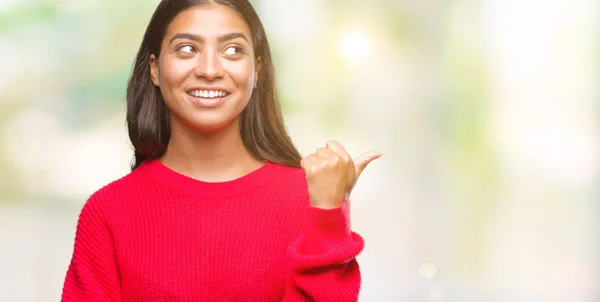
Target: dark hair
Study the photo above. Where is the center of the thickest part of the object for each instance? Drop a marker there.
(261, 123)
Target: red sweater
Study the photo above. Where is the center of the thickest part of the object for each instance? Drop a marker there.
(157, 235)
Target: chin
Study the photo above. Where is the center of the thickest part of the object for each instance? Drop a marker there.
(208, 124)
(205, 120)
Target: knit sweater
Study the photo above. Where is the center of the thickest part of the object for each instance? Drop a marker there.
(157, 235)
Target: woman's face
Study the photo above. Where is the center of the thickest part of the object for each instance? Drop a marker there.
(206, 70)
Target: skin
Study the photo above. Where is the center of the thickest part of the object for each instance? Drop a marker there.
(332, 174)
(205, 142)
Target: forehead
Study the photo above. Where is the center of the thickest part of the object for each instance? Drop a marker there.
(208, 21)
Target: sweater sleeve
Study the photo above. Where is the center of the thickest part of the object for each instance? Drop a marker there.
(93, 273)
(322, 261)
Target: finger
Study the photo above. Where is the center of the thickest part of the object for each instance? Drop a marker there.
(304, 163)
(338, 149)
(316, 160)
(309, 164)
(308, 160)
(325, 152)
(361, 162)
(330, 158)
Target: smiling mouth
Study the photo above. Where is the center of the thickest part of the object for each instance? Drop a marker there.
(208, 94)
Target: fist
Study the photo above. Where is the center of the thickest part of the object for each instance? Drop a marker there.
(331, 174)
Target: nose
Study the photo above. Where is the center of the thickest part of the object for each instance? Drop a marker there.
(208, 66)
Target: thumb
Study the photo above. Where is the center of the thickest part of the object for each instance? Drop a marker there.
(361, 162)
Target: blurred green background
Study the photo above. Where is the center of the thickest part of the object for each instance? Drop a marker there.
(487, 113)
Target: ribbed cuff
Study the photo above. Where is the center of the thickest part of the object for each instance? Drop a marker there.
(331, 224)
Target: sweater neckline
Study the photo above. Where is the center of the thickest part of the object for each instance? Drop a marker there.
(239, 186)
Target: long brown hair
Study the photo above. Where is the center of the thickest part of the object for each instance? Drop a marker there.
(261, 123)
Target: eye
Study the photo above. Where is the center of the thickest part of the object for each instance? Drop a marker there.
(186, 48)
(232, 50)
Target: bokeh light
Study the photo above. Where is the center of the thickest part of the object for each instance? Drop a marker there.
(354, 46)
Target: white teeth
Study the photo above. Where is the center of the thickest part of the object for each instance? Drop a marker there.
(208, 93)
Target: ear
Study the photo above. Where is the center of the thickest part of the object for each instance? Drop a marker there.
(257, 68)
(154, 75)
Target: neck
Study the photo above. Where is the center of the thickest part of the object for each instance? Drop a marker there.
(214, 156)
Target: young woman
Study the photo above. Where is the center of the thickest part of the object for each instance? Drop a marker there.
(219, 205)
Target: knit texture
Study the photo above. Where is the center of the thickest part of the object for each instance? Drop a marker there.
(157, 235)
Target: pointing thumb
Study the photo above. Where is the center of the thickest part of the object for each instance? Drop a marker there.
(361, 162)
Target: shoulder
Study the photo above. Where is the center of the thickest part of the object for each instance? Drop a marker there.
(289, 174)
(289, 181)
(114, 193)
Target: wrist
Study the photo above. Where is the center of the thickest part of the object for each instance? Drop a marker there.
(333, 223)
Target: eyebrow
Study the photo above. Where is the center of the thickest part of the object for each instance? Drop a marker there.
(199, 39)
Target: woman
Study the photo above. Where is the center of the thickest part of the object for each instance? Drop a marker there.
(219, 205)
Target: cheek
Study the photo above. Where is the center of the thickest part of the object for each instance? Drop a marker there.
(173, 73)
(243, 75)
